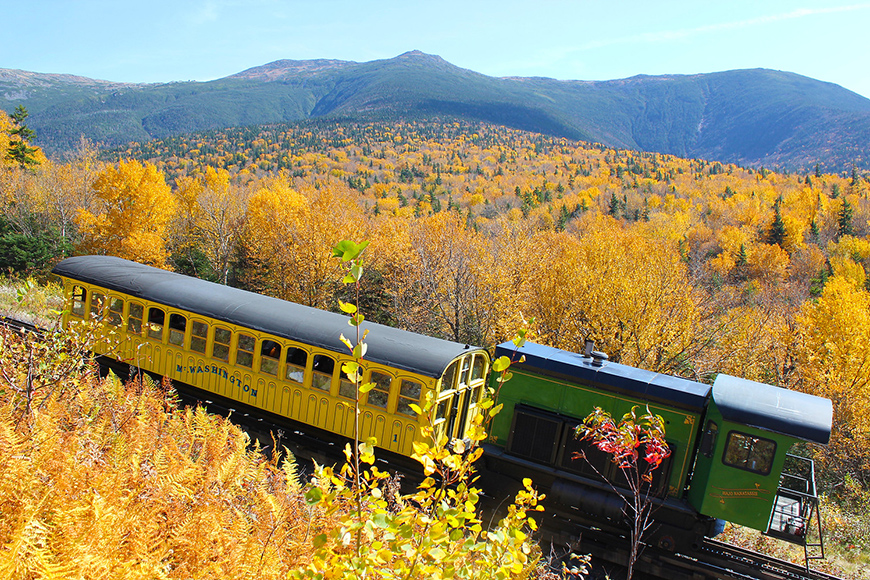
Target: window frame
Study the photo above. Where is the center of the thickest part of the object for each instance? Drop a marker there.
(223, 345)
(78, 301)
(757, 439)
(406, 400)
(244, 353)
(317, 376)
(150, 326)
(376, 389)
(267, 359)
(295, 367)
(194, 336)
(140, 319)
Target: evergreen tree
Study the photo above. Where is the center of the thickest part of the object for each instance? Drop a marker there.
(844, 219)
(776, 234)
(19, 150)
(614, 205)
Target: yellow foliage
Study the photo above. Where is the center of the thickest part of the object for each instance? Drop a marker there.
(290, 236)
(133, 210)
(112, 481)
(834, 362)
(767, 262)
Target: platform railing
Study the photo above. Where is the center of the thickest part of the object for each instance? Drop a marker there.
(796, 508)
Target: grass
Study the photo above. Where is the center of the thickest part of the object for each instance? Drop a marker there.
(847, 546)
(31, 302)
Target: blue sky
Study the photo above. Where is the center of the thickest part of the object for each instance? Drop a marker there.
(179, 40)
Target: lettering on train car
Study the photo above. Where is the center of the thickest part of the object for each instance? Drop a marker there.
(215, 370)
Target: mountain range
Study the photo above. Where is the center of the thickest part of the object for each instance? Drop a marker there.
(756, 117)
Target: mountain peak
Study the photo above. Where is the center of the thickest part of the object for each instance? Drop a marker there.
(282, 69)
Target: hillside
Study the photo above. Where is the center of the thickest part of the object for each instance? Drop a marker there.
(751, 117)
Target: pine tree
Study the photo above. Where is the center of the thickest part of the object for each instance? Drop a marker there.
(19, 151)
(776, 234)
(844, 219)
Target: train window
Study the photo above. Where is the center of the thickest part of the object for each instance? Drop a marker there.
(98, 305)
(753, 454)
(466, 369)
(409, 393)
(177, 326)
(79, 296)
(156, 320)
(323, 368)
(346, 387)
(198, 336)
(221, 347)
(270, 355)
(245, 351)
(443, 409)
(134, 319)
(380, 393)
(448, 381)
(116, 311)
(296, 361)
(478, 370)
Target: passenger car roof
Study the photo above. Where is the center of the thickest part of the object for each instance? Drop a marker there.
(772, 408)
(386, 345)
(642, 384)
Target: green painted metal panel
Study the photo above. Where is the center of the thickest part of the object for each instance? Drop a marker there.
(577, 400)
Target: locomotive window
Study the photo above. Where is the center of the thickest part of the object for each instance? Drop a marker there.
(479, 368)
(245, 351)
(116, 311)
(156, 319)
(79, 295)
(270, 354)
(750, 453)
(409, 393)
(198, 336)
(134, 319)
(323, 368)
(448, 381)
(296, 360)
(221, 347)
(380, 393)
(177, 326)
(98, 304)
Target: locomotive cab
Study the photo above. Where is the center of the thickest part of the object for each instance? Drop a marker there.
(744, 472)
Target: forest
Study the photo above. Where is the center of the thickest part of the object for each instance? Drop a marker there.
(680, 266)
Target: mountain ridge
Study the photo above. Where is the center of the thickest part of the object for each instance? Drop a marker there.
(749, 116)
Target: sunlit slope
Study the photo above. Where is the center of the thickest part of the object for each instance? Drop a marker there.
(752, 117)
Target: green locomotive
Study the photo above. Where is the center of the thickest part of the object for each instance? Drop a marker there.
(729, 445)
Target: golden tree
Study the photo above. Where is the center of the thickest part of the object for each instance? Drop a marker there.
(211, 218)
(133, 208)
(834, 362)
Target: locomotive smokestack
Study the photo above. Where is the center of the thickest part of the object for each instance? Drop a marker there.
(598, 357)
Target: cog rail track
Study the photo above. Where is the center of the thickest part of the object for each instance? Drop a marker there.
(20, 326)
(714, 560)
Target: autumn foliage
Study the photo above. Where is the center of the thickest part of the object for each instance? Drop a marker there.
(681, 266)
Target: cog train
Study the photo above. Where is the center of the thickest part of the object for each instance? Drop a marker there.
(730, 442)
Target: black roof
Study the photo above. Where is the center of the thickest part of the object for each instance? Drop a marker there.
(642, 384)
(386, 345)
(774, 409)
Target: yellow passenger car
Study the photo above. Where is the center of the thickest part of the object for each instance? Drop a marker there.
(270, 354)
